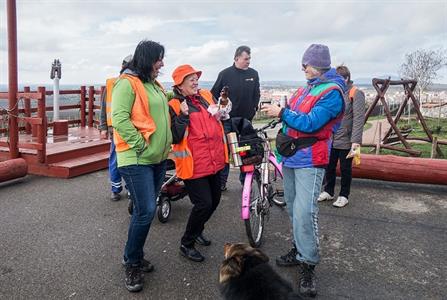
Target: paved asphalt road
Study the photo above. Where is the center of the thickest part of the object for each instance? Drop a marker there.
(63, 239)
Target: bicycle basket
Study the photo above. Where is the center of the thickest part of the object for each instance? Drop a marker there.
(255, 149)
(249, 139)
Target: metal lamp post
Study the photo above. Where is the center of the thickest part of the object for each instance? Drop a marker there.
(56, 73)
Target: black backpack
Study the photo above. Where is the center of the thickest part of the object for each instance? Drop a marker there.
(248, 136)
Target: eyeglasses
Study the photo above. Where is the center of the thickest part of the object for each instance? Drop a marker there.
(304, 66)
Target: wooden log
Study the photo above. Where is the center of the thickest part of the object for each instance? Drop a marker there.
(12, 169)
(409, 151)
(401, 169)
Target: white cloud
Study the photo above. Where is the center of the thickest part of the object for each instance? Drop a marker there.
(92, 37)
(130, 25)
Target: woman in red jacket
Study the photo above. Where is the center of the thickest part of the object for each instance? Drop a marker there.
(199, 150)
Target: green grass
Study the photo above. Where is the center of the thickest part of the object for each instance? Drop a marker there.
(418, 131)
(262, 120)
(432, 124)
(380, 117)
(367, 126)
(424, 147)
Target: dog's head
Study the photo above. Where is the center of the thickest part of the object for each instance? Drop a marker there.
(234, 257)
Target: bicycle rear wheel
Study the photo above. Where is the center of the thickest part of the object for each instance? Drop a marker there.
(276, 189)
(254, 226)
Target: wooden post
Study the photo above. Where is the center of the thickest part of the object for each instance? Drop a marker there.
(83, 92)
(12, 79)
(379, 140)
(91, 100)
(434, 146)
(422, 120)
(27, 89)
(42, 128)
(401, 110)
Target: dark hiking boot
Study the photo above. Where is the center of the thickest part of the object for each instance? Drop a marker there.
(201, 240)
(308, 282)
(191, 253)
(289, 259)
(115, 196)
(134, 279)
(145, 265)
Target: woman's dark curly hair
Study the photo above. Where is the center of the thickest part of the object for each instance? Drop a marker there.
(146, 55)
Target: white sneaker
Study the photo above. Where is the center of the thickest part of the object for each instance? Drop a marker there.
(325, 196)
(341, 201)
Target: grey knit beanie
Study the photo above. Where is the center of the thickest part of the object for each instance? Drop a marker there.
(127, 59)
(317, 56)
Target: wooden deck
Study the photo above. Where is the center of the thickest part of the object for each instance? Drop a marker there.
(80, 152)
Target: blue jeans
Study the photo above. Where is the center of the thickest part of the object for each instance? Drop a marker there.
(144, 183)
(114, 173)
(301, 190)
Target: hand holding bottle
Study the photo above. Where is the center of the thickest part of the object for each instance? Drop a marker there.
(223, 100)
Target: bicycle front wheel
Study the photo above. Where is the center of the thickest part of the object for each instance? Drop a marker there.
(254, 226)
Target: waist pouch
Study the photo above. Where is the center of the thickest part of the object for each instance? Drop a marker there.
(287, 146)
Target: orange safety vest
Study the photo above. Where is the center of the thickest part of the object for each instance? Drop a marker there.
(184, 164)
(352, 92)
(109, 87)
(140, 115)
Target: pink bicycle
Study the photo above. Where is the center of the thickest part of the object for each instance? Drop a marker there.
(263, 187)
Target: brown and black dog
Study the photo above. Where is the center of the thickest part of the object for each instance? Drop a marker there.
(246, 275)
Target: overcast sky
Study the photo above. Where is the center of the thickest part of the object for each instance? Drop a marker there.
(91, 37)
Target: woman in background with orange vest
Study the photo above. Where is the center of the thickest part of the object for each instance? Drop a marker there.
(106, 131)
(142, 135)
(346, 142)
(200, 151)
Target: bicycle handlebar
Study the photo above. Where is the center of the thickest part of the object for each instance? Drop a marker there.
(271, 124)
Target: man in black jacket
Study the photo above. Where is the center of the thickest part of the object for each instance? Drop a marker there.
(244, 92)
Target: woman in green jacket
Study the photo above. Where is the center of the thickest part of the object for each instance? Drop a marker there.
(142, 135)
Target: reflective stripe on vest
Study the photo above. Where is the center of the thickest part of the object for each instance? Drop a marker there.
(109, 87)
(180, 154)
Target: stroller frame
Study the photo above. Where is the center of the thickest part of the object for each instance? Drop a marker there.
(172, 189)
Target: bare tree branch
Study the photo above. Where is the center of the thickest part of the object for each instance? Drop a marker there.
(423, 65)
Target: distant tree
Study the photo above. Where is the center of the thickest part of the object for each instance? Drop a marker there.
(423, 65)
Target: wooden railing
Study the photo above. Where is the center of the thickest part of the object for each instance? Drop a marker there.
(36, 116)
(88, 102)
(39, 122)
